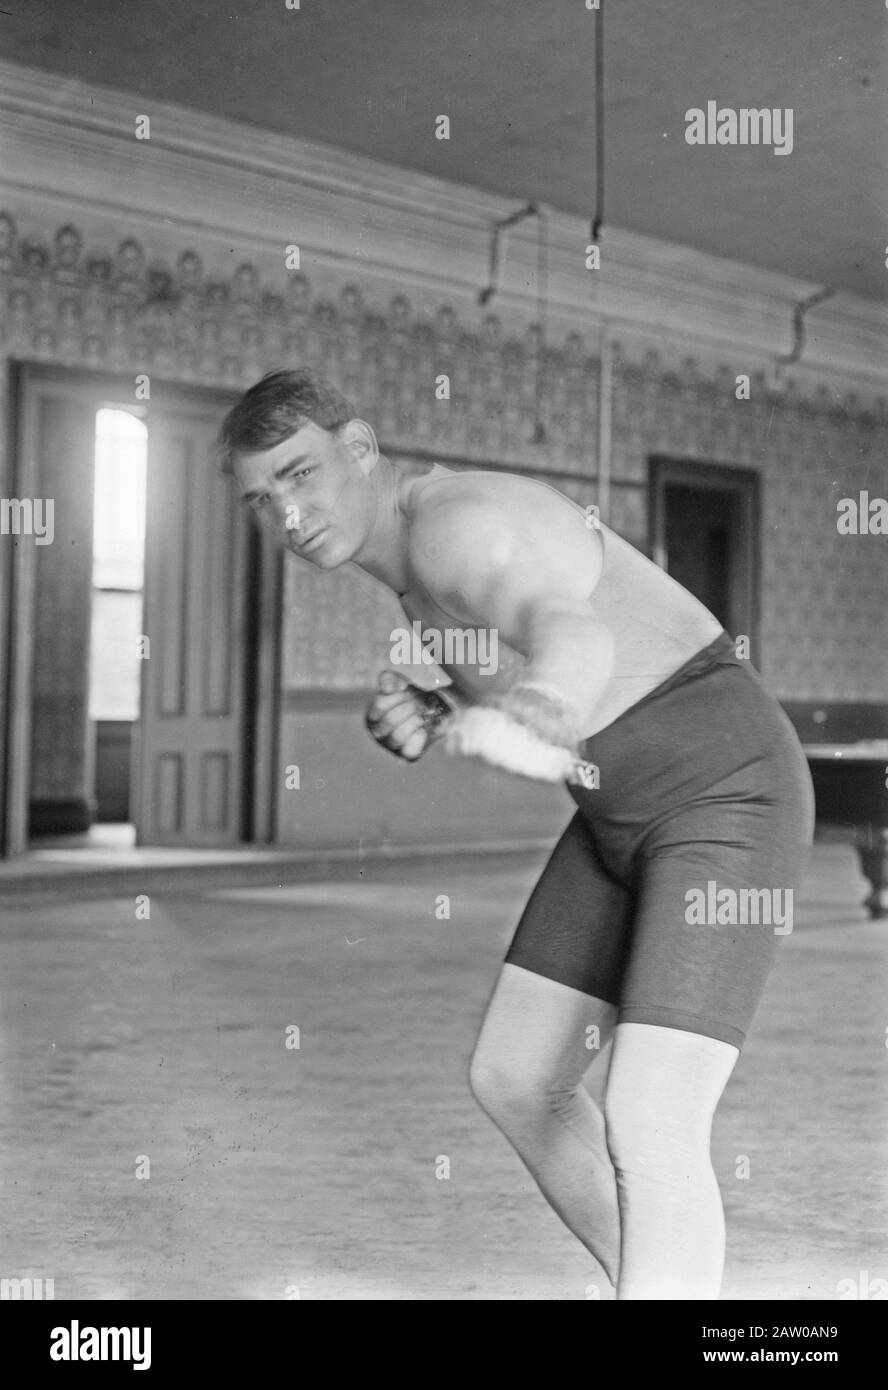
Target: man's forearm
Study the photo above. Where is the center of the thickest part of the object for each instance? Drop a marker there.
(571, 663)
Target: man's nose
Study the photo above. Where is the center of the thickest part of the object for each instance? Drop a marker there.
(286, 512)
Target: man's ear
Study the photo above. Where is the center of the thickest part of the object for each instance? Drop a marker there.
(360, 441)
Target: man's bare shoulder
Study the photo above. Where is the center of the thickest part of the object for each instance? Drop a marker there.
(477, 485)
(469, 519)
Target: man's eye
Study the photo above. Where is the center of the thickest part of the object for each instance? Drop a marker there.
(257, 504)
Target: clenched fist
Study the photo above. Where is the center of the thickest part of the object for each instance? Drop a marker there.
(404, 718)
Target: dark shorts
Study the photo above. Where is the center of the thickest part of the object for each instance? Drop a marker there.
(675, 881)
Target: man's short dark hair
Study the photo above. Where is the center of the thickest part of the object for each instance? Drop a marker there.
(276, 407)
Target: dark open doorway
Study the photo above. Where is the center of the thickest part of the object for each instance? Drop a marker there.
(704, 531)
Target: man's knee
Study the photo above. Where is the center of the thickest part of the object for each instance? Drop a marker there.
(497, 1084)
(630, 1126)
(511, 1092)
(663, 1088)
(647, 1134)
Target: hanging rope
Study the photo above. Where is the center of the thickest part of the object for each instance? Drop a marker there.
(599, 124)
(542, 287)
(502, 224)
(539, 429)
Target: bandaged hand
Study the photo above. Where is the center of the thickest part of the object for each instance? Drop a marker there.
(527, 730)
(404, 718)
(542, 711)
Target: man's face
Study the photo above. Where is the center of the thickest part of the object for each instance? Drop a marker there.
(313, 491)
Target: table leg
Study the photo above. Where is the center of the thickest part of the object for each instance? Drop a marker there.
(874, 862)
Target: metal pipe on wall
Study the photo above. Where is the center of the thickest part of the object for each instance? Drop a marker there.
(605, 398)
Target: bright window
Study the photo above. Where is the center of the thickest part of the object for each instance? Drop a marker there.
(121, 462)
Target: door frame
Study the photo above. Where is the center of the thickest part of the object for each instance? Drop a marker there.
(745, 484)
(263, 662)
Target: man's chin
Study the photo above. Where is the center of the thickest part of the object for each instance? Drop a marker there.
(324, 557)
(325, 561)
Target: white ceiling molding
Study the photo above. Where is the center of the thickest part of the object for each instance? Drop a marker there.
(70, 148)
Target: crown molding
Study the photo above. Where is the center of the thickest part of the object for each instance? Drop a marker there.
(71, 146)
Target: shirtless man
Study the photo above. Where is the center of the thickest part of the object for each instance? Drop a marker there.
(700, 780)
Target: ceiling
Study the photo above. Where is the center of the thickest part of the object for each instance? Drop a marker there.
(516, 79)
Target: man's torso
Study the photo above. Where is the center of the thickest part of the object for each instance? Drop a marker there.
(657, 625)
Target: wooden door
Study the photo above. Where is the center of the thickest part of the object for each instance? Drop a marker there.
(189, 763)
(46, 753)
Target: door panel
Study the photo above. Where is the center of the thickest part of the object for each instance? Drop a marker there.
(189, 768)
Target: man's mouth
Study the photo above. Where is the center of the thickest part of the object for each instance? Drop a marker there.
(310, 542)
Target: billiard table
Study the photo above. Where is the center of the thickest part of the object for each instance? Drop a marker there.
(851, 788)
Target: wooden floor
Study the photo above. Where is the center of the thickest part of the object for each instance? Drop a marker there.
(275, 1170)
